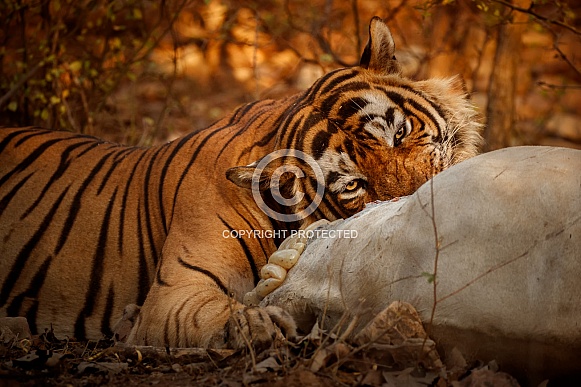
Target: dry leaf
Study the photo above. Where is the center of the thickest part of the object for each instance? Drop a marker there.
(268, 364)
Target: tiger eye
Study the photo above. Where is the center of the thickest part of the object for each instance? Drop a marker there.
(400, 133)
(351, 185)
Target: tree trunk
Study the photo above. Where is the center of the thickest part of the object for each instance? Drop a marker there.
(500, 111)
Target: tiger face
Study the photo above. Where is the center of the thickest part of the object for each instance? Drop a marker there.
(374, 134)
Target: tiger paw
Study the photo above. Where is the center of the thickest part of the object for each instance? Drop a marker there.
(259, 327)
(274, 272)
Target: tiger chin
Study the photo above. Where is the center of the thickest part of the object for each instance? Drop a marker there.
(88, 227)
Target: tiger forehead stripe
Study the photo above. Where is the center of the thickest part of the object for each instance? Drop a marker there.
(331, 81)
(402, 95)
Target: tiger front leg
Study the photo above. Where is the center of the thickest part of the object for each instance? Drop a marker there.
(197, 314)
(274, 272)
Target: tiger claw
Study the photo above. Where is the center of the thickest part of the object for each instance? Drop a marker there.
(274, 272)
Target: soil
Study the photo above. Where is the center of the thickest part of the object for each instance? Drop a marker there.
(317, 360)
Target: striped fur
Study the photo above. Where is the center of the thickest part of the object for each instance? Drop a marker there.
(88, 227)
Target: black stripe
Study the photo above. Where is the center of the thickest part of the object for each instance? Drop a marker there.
(329, 102)
(178, 146)
(124, 205)
(192, 161)
(420, 94)
(114, 164)
(14, 309)
(241, 112)
(87, 149)
(147, 203)
(331, 208)
(23, 255)
(350, 148)
(297, 122)
(400, 101)
(333, 81)
(419, 107)
(266, 139)
(252, 123)
(265, 253)
(158, 278)
(108, 312)
(31, 317)
(11, 136)
(10, 195)
(62, 167)
(205, 272)
(320, 144)
(351, 107)
(143, 274)
(247, 252)
(166, 328)
(200, 308)
(32, 157)
(310, 121)
(96, 279)
(76, 204)
(177, 322)
(32, 132)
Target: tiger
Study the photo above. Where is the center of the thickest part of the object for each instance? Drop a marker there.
(89, 226)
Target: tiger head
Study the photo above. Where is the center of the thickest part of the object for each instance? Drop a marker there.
(359, 135)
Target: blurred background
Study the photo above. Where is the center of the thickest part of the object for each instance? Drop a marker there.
(145, 72)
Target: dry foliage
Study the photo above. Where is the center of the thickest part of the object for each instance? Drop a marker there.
(319, 359)
(145, 72)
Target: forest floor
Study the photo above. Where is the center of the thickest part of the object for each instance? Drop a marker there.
(317, 360)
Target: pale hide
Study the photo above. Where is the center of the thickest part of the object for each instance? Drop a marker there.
(508, 269)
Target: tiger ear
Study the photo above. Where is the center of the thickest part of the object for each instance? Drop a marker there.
(242, 176)
(379, 54)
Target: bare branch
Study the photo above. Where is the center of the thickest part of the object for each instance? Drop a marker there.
(552, 86)
(564, 57)
(436, 258)
(492, 269)
(6, 97)
(529, 11)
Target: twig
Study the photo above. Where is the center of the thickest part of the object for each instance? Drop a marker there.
(552, 86)
(138, 54)
(437, 256)
(6, 97)
(355, 11)
(368, 344)
(529, 11)
(170, 86)
(255, 57)
(564, 57)
(246, 340)
(471, 282)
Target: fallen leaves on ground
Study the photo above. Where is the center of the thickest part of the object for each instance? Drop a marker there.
(320, 359)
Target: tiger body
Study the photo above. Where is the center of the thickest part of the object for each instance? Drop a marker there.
(88, 227)
(91, 238)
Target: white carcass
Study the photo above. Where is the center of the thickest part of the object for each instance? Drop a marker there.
(502, 242)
